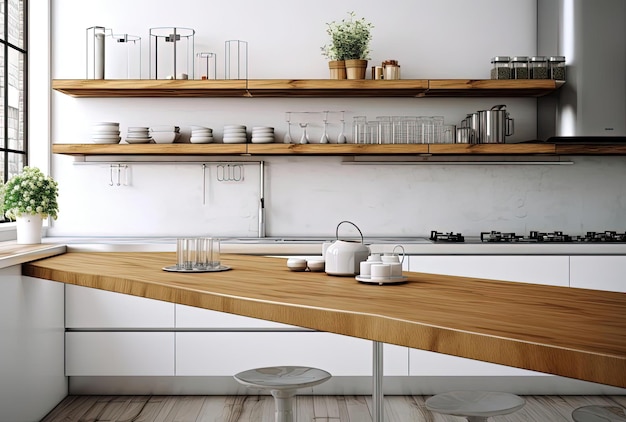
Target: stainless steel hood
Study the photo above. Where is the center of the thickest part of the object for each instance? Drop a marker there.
(591, 106)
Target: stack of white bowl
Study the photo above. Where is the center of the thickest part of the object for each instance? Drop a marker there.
(138, 135)
(201, 135)
(105, 133)
(235, 134)
(262, 135)
(165, 134)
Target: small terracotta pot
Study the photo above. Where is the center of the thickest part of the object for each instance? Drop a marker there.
(337, 69)
(356, 69)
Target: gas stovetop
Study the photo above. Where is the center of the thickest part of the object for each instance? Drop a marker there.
(533, 237)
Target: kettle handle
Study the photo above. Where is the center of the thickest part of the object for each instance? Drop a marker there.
(350, 222)
(499, 107)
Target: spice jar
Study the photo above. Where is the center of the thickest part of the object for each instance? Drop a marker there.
(501, 67)
(539, 68)
(519, 67)
(557, 67)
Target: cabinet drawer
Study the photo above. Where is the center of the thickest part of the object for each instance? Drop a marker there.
(598, 272)
(547, 270)
(425, 363)
(119, 354)
(225, 354)
(93, 308)
(191, 317)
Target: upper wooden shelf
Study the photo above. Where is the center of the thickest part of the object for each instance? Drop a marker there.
(305, 88)
(539, 148)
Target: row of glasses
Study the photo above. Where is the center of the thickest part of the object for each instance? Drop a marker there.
(197, 253)
(403, 130)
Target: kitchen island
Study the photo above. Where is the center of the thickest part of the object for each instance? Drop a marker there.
(575, 333)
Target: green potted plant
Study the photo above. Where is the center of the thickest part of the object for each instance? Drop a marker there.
(349, 43)
(29, 197)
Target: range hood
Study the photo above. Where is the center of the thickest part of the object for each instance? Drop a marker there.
(591, 106)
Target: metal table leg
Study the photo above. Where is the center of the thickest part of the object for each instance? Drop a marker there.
(377, 383)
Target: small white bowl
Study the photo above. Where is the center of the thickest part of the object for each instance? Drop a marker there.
(106, 140)
(164, 128)
(234, 127)
(263, 128)
(201, 133)
(138, 129)
(138, 140)
(262, 139)
(316, 265)
(163, 137)
(296, 264)
(201, 139)
(234, 140)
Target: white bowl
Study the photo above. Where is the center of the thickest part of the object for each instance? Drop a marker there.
(234, 131)
(235, 140)
(105, 135)
(263, 128)
(163, 137)
(234, 127)
(201, 139)
(296, 264)
(201, 132)
(196, 127)
(138, 129)
(316, 264)
(138, 140)
(105, 129)
(262, 139)
(110, 125)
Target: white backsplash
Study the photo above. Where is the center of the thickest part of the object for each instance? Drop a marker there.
(310, 195)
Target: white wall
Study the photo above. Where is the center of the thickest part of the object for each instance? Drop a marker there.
(310, 195)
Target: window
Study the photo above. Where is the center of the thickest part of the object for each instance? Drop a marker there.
(13, 87)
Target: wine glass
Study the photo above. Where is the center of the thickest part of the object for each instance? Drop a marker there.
(288, 139)
(305, 137)
(325, 139)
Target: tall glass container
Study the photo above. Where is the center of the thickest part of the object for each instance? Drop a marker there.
(125, 54)
(171, 53)
(501, 67)
(557, 67)
(539, 68)
(236, 59)
(519, 67)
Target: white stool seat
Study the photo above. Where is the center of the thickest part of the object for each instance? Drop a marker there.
(475, 405)
(598, 414)
(283, 382)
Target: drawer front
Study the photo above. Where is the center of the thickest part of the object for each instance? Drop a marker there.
(93, 308)
(191, 317)
(598, 272)
(225, 354)
(119, 354)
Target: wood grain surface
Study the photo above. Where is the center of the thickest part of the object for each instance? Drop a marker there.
(571, 332)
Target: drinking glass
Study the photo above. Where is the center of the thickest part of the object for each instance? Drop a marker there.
(185, 253)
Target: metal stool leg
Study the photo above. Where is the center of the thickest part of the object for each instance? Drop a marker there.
(283, 401)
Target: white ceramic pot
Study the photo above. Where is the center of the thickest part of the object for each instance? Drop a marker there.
(343, 257)
(29, 229)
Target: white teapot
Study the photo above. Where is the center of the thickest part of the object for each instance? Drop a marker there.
(343, 257)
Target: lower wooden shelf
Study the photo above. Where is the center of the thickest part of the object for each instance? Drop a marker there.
(538, 148)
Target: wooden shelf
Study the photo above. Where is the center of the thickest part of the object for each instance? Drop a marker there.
(149, 149)
(305, 88)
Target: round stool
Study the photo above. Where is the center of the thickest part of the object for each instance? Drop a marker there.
(476, 406)
(598, 414)
(282, 382)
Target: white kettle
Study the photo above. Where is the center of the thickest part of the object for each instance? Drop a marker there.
(343, 257)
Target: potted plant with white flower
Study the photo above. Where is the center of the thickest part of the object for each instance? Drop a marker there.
(349, 43)
(29, 197)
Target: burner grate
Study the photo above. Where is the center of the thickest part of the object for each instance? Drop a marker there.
(446, 237)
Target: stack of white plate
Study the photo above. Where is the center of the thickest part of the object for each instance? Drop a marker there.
(201, 135)
(235, 134)
(138, 135)
(105, 133)
(262, 135)
(164, 134)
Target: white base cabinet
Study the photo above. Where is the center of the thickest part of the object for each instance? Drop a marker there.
(598, 272)
(32, 381)
(225, 354)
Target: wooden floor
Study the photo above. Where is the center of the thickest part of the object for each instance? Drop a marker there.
(308, 409)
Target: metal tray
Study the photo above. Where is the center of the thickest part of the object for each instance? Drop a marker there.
(174, 269)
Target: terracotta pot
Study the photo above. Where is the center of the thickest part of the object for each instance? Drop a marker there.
(337, 69)
(355, 69)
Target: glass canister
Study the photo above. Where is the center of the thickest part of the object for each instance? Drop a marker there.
(557, 67)
(519, 67)
(539, 68)
(501, 67)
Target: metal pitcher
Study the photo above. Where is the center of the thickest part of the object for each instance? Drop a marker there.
(494, 125)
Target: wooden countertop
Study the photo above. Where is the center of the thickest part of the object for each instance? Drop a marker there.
(575, 333)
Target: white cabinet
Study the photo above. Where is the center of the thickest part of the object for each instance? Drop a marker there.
(32, 381)
(598, 272)
(549, 270)
(226, 353)
(540, 269)
(119, 353)
(93, 308)
(191, 317)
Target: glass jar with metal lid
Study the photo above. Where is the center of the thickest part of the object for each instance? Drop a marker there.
(557, 67)
(539, 68)
(501, 67)
(519, 67)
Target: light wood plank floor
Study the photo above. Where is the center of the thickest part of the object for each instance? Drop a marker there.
(309, 409)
